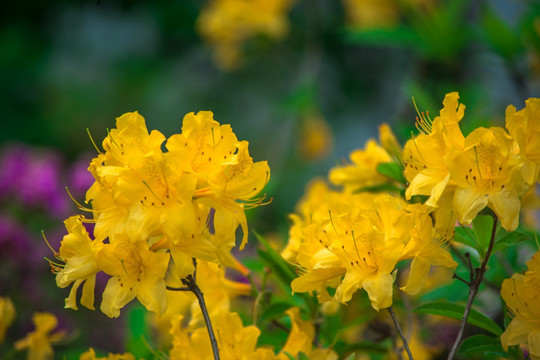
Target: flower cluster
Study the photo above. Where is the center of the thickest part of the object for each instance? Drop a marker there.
(353, 238)
(489, 167)
(227, 24)
(157, 210)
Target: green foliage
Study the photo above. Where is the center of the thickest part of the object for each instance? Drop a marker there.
(482, 343)
(455, 311)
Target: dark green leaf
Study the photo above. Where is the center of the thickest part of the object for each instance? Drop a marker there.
(392, 170)
(482, 343)
(455, 311)
(482, 227)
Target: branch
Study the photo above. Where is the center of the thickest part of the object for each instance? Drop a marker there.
(191, 285)
(476, 280)
(398, 328)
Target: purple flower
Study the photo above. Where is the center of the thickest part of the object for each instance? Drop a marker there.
(33, 178)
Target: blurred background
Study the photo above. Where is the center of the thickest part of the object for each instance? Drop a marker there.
(305, 82)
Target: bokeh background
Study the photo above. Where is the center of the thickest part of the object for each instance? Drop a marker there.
(305, 82)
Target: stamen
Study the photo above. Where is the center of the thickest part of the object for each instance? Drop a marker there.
(92, 140)
(152, 192)
(79, 206)
(123, 266)
(332, 221)
(355, 246)
(56, 253)
(416, 146)
(112, 139)
(477, 164)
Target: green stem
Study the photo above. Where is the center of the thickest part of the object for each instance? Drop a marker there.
(476, 280)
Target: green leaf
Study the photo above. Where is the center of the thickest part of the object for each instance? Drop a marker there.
(289, 356)
(465, 236)
(275, 261)
(482, 227)
(137, 331)
(302, 356)
(501, 37)
(274, 311)
(482, 343)
(392, 170)
(455, 311)
(509, 239)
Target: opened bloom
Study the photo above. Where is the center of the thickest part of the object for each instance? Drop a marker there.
(520, 293)
(39, 341)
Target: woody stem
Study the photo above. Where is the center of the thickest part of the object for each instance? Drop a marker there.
(191, 285)
(476, 280)
(398, 328)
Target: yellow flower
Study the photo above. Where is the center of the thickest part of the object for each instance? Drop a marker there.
(39, 341)
(425, 156)
(300, 339)
(7, 315)
(138, 188)
(227, 24)
(524, 127)
(228, 179)
(234, 340)
(520, 293)
(315, 138)
(91, 355)
(78, 251)
(369, 14)
(363, 170)
(426, 248)
(136, 272)
(487, 175)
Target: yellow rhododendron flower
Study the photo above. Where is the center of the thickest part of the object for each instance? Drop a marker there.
(91, 355)
(39, 341)
(354, 241)
(78, 251)
(7, 315)
(521, 293)
(227, 24)
(425, 156)
(524, 127)
(235, 341)
(487, 175)
(136, 272)
(300, 340)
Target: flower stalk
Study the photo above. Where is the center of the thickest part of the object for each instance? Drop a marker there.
(476, 280)
(400, 332)
(191, 285)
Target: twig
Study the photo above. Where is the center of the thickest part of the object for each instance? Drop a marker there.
(398, 328)
(456, 276)
(191, 285)
(476, 279)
